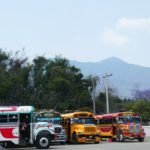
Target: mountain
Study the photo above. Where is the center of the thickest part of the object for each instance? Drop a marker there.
(125, 77)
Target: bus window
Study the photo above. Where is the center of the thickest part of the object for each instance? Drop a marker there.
(3, 119)
(120, 120)
(96, 121)
(13, 118)
(64, 122)
(34, 118)
(106, 121)
(114, 120)
(57, 120)
(136, 119)
(75, 121)
(82, 121)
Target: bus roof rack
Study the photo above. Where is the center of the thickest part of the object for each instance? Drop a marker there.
(124, 110)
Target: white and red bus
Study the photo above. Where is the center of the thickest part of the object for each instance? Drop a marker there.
(11, 121)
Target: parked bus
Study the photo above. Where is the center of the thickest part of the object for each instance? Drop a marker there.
(17, 127)
(80, 127)
(120, 126)
(54, 118)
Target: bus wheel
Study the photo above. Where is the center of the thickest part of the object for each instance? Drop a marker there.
(62, 143)
(43, 142)
(121, 137)
(74, 138)
(141, 139)
(114, 140)
(8, 145)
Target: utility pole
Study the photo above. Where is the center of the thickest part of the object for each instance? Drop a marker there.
(92, 90)
(106, 90)
(93, 97)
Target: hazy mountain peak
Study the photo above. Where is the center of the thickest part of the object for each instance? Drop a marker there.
(126, 77)
(113, 60)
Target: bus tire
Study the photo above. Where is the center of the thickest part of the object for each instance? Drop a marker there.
(121, 137)
(141, 139)
(62, 143)
(43, 141)
(74, 138)
(8, 145)
(114, 139)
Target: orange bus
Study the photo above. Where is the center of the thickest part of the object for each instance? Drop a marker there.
(80, 127)
(120, 126)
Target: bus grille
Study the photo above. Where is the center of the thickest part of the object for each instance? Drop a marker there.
(90, 129)
(131, 128)
(135, 128)
(57, 129)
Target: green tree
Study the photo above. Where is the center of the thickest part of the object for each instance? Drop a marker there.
(18, 78)
(115, 102)
(4, 82)
(143, 108)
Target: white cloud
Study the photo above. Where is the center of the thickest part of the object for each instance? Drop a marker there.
(133, 23)
(114, 38)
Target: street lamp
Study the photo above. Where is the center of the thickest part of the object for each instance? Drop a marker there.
(106, 90)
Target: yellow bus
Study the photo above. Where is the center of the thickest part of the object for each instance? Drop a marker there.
(80, 127)
(120, 126)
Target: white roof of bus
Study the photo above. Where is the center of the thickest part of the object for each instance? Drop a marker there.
(16, 109)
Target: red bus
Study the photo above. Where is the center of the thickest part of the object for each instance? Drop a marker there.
(120, 126)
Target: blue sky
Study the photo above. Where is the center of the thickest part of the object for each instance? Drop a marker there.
(83, 30)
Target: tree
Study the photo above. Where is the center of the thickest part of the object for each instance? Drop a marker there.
(18, 72)
(4, 81)
(55, 84)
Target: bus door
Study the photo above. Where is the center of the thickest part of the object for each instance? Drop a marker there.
(25, 127)
(66, 123)
(69, 128)
(114, 126)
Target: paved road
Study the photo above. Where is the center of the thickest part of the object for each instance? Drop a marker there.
(133, 145)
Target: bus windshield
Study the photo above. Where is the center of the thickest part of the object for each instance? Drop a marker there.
(56, 120)
(82, 121)
(126, 119)
(106, 121)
